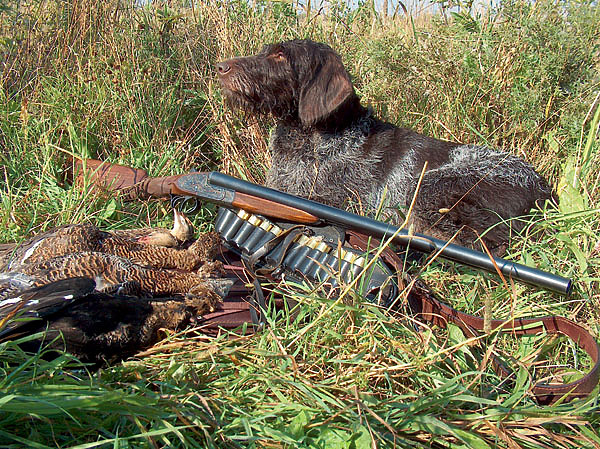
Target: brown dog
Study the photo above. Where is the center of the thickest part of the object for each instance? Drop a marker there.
(329, 148)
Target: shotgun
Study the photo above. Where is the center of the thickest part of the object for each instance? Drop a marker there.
(232, 192)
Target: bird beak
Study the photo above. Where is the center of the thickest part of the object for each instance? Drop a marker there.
(179, 221)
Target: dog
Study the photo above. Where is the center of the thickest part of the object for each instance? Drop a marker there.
(329, 148)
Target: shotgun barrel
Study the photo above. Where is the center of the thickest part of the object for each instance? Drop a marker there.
(419, 242)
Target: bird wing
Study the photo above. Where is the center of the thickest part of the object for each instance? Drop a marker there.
(55, 242)
(39, 302)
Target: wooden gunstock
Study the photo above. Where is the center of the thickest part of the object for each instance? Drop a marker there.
(135, 184)
(272, 209)
(160, 187)
(106, 175)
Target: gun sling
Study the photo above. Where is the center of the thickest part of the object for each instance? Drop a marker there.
(243, 307)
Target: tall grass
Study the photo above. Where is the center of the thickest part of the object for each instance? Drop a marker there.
(136, 85)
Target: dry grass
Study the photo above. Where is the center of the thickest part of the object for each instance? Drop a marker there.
(136, 85)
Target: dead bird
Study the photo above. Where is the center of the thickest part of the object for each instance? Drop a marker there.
(158, 248)
(182, 232)
(109, 272)
(26, 302)
(98, 327)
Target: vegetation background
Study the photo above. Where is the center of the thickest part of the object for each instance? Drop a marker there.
(134, 83)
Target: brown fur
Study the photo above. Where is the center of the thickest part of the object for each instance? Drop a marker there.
(330, 148)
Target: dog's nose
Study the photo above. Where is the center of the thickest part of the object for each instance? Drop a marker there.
(223, 67)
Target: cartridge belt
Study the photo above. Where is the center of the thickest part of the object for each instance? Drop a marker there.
(316, 254)
(305, 253)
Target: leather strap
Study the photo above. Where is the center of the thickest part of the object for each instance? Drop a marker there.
(441, 314)
(257, 300)
(430, 309)
(237, 310)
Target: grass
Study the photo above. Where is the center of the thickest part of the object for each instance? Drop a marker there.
(136, 85)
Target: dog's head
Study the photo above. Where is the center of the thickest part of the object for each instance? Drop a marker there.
(296, 80)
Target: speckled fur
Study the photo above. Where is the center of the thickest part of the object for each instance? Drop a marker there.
(322, 165)
(329, 148)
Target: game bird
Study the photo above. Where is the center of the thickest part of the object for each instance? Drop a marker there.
(153, 247)
(182, 232)
(98, 327)
(110, 272)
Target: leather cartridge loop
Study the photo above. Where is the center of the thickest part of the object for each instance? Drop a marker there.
(258, 303)
(288, 237)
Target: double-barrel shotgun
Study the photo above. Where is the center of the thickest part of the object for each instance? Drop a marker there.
(232, 192)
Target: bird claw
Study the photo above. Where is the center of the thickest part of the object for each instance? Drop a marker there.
(208, 295)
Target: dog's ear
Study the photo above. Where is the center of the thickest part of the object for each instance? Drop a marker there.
(328, 89)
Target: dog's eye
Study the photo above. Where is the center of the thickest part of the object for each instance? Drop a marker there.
(279, 56)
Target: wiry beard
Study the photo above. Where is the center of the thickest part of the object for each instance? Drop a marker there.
(243, 96)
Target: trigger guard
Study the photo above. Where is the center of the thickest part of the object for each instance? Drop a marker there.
(185, 204)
